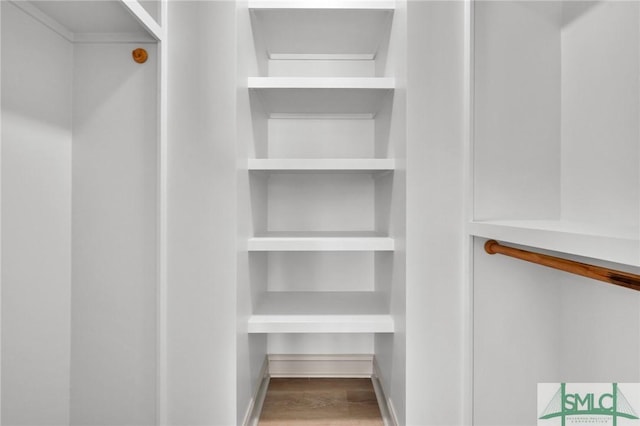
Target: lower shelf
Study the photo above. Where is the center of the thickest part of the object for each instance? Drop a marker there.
(321, 312)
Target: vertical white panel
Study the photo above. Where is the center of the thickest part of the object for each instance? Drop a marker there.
(202, 191)
(36, 221)
(435, 233)
(518, 336)
(391, 216)
(162, 264)
(517, 110)
(1, 49)
(600, 331)
(251, 203)
(600, 107)
(114, 294)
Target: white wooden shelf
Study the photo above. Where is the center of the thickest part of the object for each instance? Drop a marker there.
(95, 21)
(362, 83)
(610, 242)
(321, 312)
(319, 95)
(320, 241)
(319, 165)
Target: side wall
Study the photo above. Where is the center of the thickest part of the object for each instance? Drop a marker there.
(251, 268)
(391, 198)
(435, 231)
(600, 110)
(202, 214)
(517, 113)
(517, 334)
(114, 291)
(36, 221)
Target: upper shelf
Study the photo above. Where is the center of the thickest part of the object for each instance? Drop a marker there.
(609, 243)
(286, 27)
(321, 95)
(95, 21)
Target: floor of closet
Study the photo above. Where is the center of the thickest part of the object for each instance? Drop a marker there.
(315, 402)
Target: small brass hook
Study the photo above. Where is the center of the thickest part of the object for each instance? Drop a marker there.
(140, 55)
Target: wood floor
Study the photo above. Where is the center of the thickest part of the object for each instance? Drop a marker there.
(320, 402)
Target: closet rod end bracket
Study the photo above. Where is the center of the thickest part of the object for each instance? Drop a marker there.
(490, 245)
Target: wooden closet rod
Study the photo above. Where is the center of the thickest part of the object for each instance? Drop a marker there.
(607, 275)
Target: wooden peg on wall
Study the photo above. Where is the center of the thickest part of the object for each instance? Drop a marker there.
(140, 55)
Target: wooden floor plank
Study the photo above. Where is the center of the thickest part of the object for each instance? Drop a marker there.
(320, 402)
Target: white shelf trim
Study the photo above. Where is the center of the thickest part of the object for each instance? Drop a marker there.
(112, 38)
(380, 83)
(337, 164)
(322, 56)
(326, 116)
(608, 243)
(321, 324)
(318, 241)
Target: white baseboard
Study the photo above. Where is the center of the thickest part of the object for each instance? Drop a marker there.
(387, 410)
(320, 365)
(252, 415)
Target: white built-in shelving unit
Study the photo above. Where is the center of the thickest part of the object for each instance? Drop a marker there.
(320, 171)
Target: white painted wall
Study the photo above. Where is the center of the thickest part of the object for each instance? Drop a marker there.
(320, 202)
(320, 271)
(435, 213)
(36, 221)
(600, 110)
(202, 199)
(600, 330)
(534, 324)
(321, 138)
(114, 292)
(517, 336)
(517, 110)
(154, 8)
